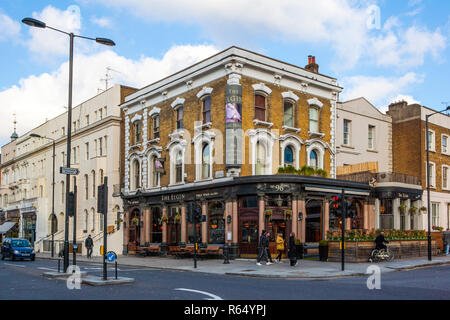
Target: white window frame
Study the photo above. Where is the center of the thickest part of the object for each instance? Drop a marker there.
(173, 153)
(447, 152)
(349, 126)
(374, 131)
(432, 181)
(435, 214)
(432, 142)
(448, 178)
(320, 154)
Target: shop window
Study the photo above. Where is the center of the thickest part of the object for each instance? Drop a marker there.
(260, 107)
(249, 231)
(156, 226)
(249, 202)
(386, 214)
(216, 223)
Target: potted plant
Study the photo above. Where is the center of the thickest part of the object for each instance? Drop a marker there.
(402, 208)
(268, 214)
(177, 218)
(288, 214)
(323, 250)
(412, 210)
(423, 208)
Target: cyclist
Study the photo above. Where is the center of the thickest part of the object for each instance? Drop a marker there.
(379, 242)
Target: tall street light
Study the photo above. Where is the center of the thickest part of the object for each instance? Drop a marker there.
(53, 190)
(428, 178)
(39, 24)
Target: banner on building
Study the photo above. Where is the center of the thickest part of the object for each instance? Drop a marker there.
(233, 125)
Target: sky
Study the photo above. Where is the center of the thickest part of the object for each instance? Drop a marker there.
(382, 50)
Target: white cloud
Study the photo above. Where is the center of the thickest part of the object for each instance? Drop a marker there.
(102, 22)
(8, 27)
(38, 97)
(379, 90)
(402, 97)
(47, 42)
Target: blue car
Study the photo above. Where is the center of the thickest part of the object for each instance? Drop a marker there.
(14, 248)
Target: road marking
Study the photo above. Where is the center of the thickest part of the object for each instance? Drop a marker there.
(15, 265)
(44, 268)
(213, 296)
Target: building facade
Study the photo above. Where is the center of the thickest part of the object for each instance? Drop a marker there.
(409, 137)
(27, 174)
(365, 154)
(214, 136)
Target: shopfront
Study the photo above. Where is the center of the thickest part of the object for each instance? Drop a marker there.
(236, 212)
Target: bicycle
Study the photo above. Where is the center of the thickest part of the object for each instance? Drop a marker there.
(381, 255)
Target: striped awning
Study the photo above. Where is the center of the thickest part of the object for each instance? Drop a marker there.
(5, 227)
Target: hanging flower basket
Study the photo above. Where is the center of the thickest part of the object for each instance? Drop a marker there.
(164, 219)
(177, 218)
(413, 210)
(135, 220)
(402, 208)
(423, 209)
(288, 214)
(268, 214)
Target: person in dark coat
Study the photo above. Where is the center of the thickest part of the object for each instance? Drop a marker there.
(292, 253)
(266, 247)
(379, 242)
(261, 248)
(89, 244)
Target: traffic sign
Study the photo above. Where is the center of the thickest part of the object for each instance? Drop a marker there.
(72, 171)
(111, 256)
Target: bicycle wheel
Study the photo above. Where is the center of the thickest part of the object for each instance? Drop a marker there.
(374, 256)
(390, 255)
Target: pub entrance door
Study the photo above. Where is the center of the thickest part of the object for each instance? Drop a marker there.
(313, 220)
(134, 231)
(248, 233)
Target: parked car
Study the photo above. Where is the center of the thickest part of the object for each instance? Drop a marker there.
(14, 248)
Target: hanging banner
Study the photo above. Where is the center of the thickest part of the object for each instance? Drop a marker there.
(233, 125)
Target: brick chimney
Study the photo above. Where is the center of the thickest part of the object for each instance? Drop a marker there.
(312, 66)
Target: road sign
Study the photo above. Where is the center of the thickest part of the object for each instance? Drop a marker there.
(111, 256)
(72, 171)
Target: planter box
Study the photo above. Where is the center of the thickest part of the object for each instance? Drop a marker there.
(437, 236)
(360, 251)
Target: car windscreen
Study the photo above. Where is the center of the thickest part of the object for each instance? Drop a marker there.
(20, 243)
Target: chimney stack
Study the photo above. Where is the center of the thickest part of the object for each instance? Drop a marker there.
(312, 66)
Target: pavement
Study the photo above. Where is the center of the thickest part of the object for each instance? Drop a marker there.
(308, 269)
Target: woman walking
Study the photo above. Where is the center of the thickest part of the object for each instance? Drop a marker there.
(292, 252)
(280, 247)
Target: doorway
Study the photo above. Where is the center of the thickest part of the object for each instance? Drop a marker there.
(134, 231)
(313, 220)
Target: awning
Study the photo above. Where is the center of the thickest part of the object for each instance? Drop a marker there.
(5, 227)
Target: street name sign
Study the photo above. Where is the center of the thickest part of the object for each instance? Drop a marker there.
(72, 171)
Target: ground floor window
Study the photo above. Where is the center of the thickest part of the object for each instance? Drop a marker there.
(174, 225)
(156, 225)
(216, 223)
(435, 214)
(386, 214)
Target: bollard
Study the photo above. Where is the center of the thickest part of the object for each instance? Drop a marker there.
(115, 264)
(59, 265)
(226, 253)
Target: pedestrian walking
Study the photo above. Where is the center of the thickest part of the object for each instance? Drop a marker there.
(292, 254)
(261, 248)
(89, 243)
(446, 236)
(280, 247)
(269, 256)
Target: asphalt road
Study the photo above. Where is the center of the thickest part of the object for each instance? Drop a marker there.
(23, 280)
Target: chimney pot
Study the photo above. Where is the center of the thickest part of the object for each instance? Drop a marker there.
(314, 59)
(309, 59)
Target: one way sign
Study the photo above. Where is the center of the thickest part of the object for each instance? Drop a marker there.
(73, 171)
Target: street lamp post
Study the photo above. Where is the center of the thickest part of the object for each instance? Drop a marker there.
(53, 190)
(428, 178)
(39, 24)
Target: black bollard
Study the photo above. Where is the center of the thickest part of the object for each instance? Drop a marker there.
(226, 253)
(115, 264)
(59, 265)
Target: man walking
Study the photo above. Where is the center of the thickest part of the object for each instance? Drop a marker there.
(261, 248)
(89, 244)
(269, 256)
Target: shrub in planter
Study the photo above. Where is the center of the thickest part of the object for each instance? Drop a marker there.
(323, 250)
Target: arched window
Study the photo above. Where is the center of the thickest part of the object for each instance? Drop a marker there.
(206, 161)
(86, 186)
(53, 223)
(154, 175)
(288, 156)
(62, 191)
(260, 107)
(313, 119)
(156, 127)
(136, 174)
(288, 117)
(100, 176)
(93, 219)
(260, 158)
(206, 109)
(86, 220)
(179, 167)
(313, 159)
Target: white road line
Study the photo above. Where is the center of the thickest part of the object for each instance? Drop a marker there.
(15, 265)
(213, 296)
(44, 268)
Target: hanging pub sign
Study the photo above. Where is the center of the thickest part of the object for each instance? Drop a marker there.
(233, 125)
(159, 165)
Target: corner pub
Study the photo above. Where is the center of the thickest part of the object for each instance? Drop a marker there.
(215, 135)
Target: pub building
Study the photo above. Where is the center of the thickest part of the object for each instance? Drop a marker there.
(214, 135)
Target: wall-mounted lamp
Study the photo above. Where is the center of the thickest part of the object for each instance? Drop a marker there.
(300, 216)
(228, 219)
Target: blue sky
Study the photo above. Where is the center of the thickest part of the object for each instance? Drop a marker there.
(405, 56)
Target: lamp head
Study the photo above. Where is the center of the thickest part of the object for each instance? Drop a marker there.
(105, 41)
(33, 23)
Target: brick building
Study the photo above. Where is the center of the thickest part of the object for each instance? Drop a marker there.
(409, 138)
(214, 135)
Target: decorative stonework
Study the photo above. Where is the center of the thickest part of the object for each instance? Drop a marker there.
(315, 102)
(204, 91)
(262, 123)
(155, 111)
(262, 87)
(137, 117)
(178, 102)
(289, 95)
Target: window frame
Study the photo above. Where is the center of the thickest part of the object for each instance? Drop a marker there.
(447, 152)
(371, 139)
(207, 112)
(310, 120)
(292, 103)
(346, 133)
(256, 107)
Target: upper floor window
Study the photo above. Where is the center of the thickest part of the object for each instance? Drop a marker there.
(288, 156)
(371, 139)
(313, 159)
(313, 119)
(431, 142)
(87, 150)
(206, 110)
(137, 132)
(179, 167)
(155, 164)
(87, 120)
(288, 119)
(206, 162)
(445, 180)
(431, 175)
(260, 158)
(136, 175)
(179, 112)
(347, 124)
(93, 183)
(100, 143)
(260, 107)
(444, 144)
(156, 127)
(86, 186)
